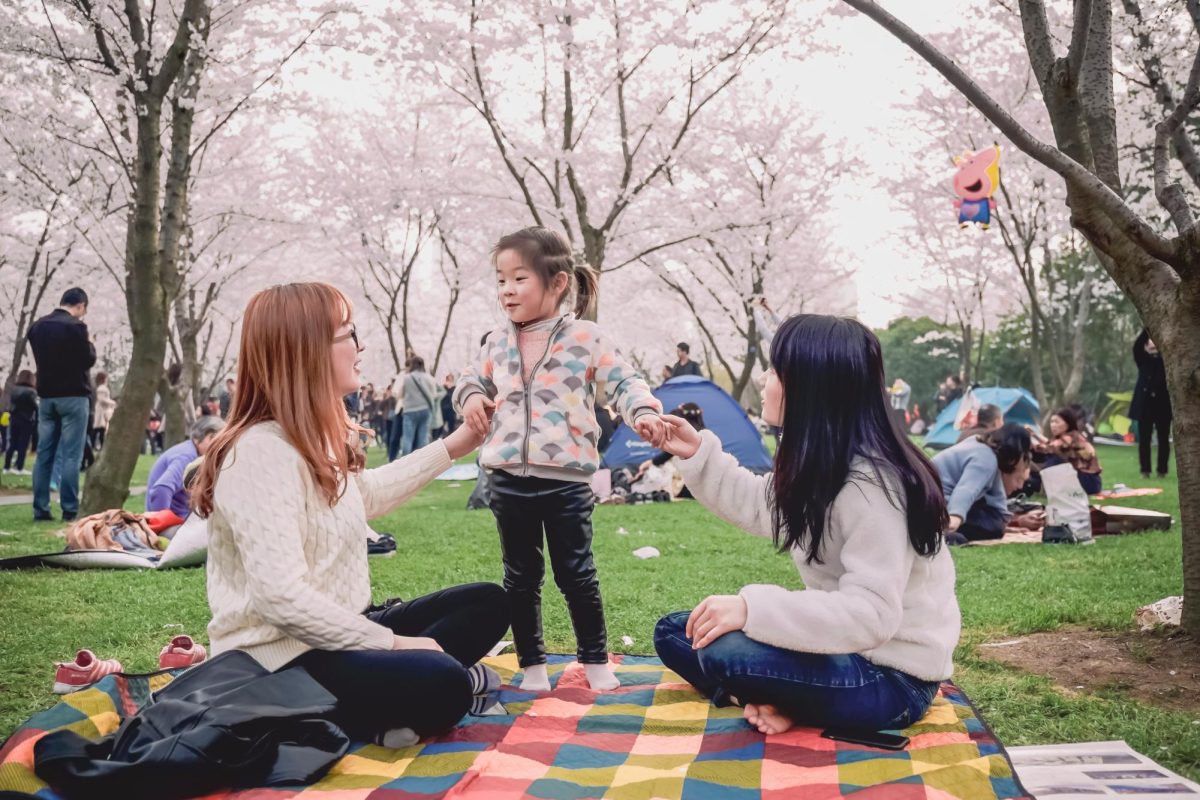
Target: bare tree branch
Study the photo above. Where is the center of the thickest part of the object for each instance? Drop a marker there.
(1077, 175)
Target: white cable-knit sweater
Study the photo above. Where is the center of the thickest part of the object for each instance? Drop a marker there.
(873, 595)
(287, 572)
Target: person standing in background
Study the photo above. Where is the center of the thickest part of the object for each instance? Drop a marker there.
(102, 415)
(64, 354)
(23, 406)
(684, 366)
(415, 404)
(1151, 406)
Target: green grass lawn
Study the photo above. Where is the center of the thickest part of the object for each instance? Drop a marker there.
(1003, 591)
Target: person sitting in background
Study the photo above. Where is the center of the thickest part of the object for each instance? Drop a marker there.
(166, 488)
(1068, 445)
(988, 419)
(977, 476)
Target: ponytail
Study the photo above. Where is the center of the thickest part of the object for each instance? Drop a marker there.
(587, 291)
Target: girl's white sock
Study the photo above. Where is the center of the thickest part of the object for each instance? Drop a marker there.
(535, 678)
(600, 677)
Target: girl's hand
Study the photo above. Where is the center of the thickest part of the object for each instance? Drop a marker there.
(651, 428)
(714, 617)
(682, 439)
(415, 643)
(478, 413)
(464, 440)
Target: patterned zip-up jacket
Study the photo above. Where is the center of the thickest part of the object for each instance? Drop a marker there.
(547, 428)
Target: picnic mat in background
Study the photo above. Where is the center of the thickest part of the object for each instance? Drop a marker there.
(1115, 494)
(655, 737)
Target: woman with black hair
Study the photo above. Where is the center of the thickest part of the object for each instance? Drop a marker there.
(978, 475)
(1068, 445)
(859, 508)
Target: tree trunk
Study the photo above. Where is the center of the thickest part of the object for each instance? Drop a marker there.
(152, 240)
(107, 484)
(1070, 393)
(174, 411)
(1178, 335)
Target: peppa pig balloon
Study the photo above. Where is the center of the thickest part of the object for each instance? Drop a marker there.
(977, 178)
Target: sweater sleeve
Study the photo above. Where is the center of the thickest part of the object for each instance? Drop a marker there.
(977, 477)
(726, 488)
(620, 384)
(260, 491)
(385, 488)
(866, 609)
(476, 378)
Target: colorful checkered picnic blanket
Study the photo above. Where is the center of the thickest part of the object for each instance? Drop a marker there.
(655, 737)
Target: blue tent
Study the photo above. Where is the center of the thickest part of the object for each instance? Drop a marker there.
(722, 415)
(1018, 405)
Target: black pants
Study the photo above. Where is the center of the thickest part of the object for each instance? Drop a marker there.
(20, 431)
(983, 522)
(524, 509)
(428, 691)
(1163, 428)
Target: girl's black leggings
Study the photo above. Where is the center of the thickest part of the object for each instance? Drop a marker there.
(530, 511)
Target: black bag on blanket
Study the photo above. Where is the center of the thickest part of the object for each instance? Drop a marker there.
(227, 723)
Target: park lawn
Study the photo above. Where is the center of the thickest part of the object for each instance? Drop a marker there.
(1003, 591)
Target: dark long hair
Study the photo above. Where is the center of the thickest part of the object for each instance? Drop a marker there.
(835, 410)
(1068, 416)
(1012, 444)
(548, 253)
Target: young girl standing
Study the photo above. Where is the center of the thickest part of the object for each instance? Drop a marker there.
(532, 394)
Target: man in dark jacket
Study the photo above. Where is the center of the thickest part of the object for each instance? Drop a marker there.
(684, 366)
(1151, 406)
(64, 354)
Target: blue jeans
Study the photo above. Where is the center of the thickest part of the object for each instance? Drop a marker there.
(416, 431)
(62, 426)
(395, 425)
(845, 691)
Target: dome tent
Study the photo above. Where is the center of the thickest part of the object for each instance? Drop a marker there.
(1017, 405)
(722, 415)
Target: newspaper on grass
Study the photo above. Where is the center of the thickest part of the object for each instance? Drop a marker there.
(1096, 769)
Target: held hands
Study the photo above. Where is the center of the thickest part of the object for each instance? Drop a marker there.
(478, 414)
(415, 643)
(651, 428)
(716, 616)
(679, 439)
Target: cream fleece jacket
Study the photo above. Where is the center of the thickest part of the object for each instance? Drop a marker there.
(287, 572)
(873, 595)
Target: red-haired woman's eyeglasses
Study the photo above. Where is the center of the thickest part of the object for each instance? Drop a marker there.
(353, 334)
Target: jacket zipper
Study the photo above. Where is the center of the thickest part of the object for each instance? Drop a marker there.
(528, 398)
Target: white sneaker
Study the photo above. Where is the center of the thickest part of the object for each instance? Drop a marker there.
(24, 472)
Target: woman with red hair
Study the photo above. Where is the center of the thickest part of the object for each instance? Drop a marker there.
(287, 499)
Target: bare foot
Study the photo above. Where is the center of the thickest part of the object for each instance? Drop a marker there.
(767, 719)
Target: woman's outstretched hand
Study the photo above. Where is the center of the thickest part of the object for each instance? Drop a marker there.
(464, 440)
(716, 616)
(681, 438)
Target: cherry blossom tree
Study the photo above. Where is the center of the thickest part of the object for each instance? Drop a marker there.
(618, 93)
(1155, 261)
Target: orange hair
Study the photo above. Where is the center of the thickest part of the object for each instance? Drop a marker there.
(285, 374)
